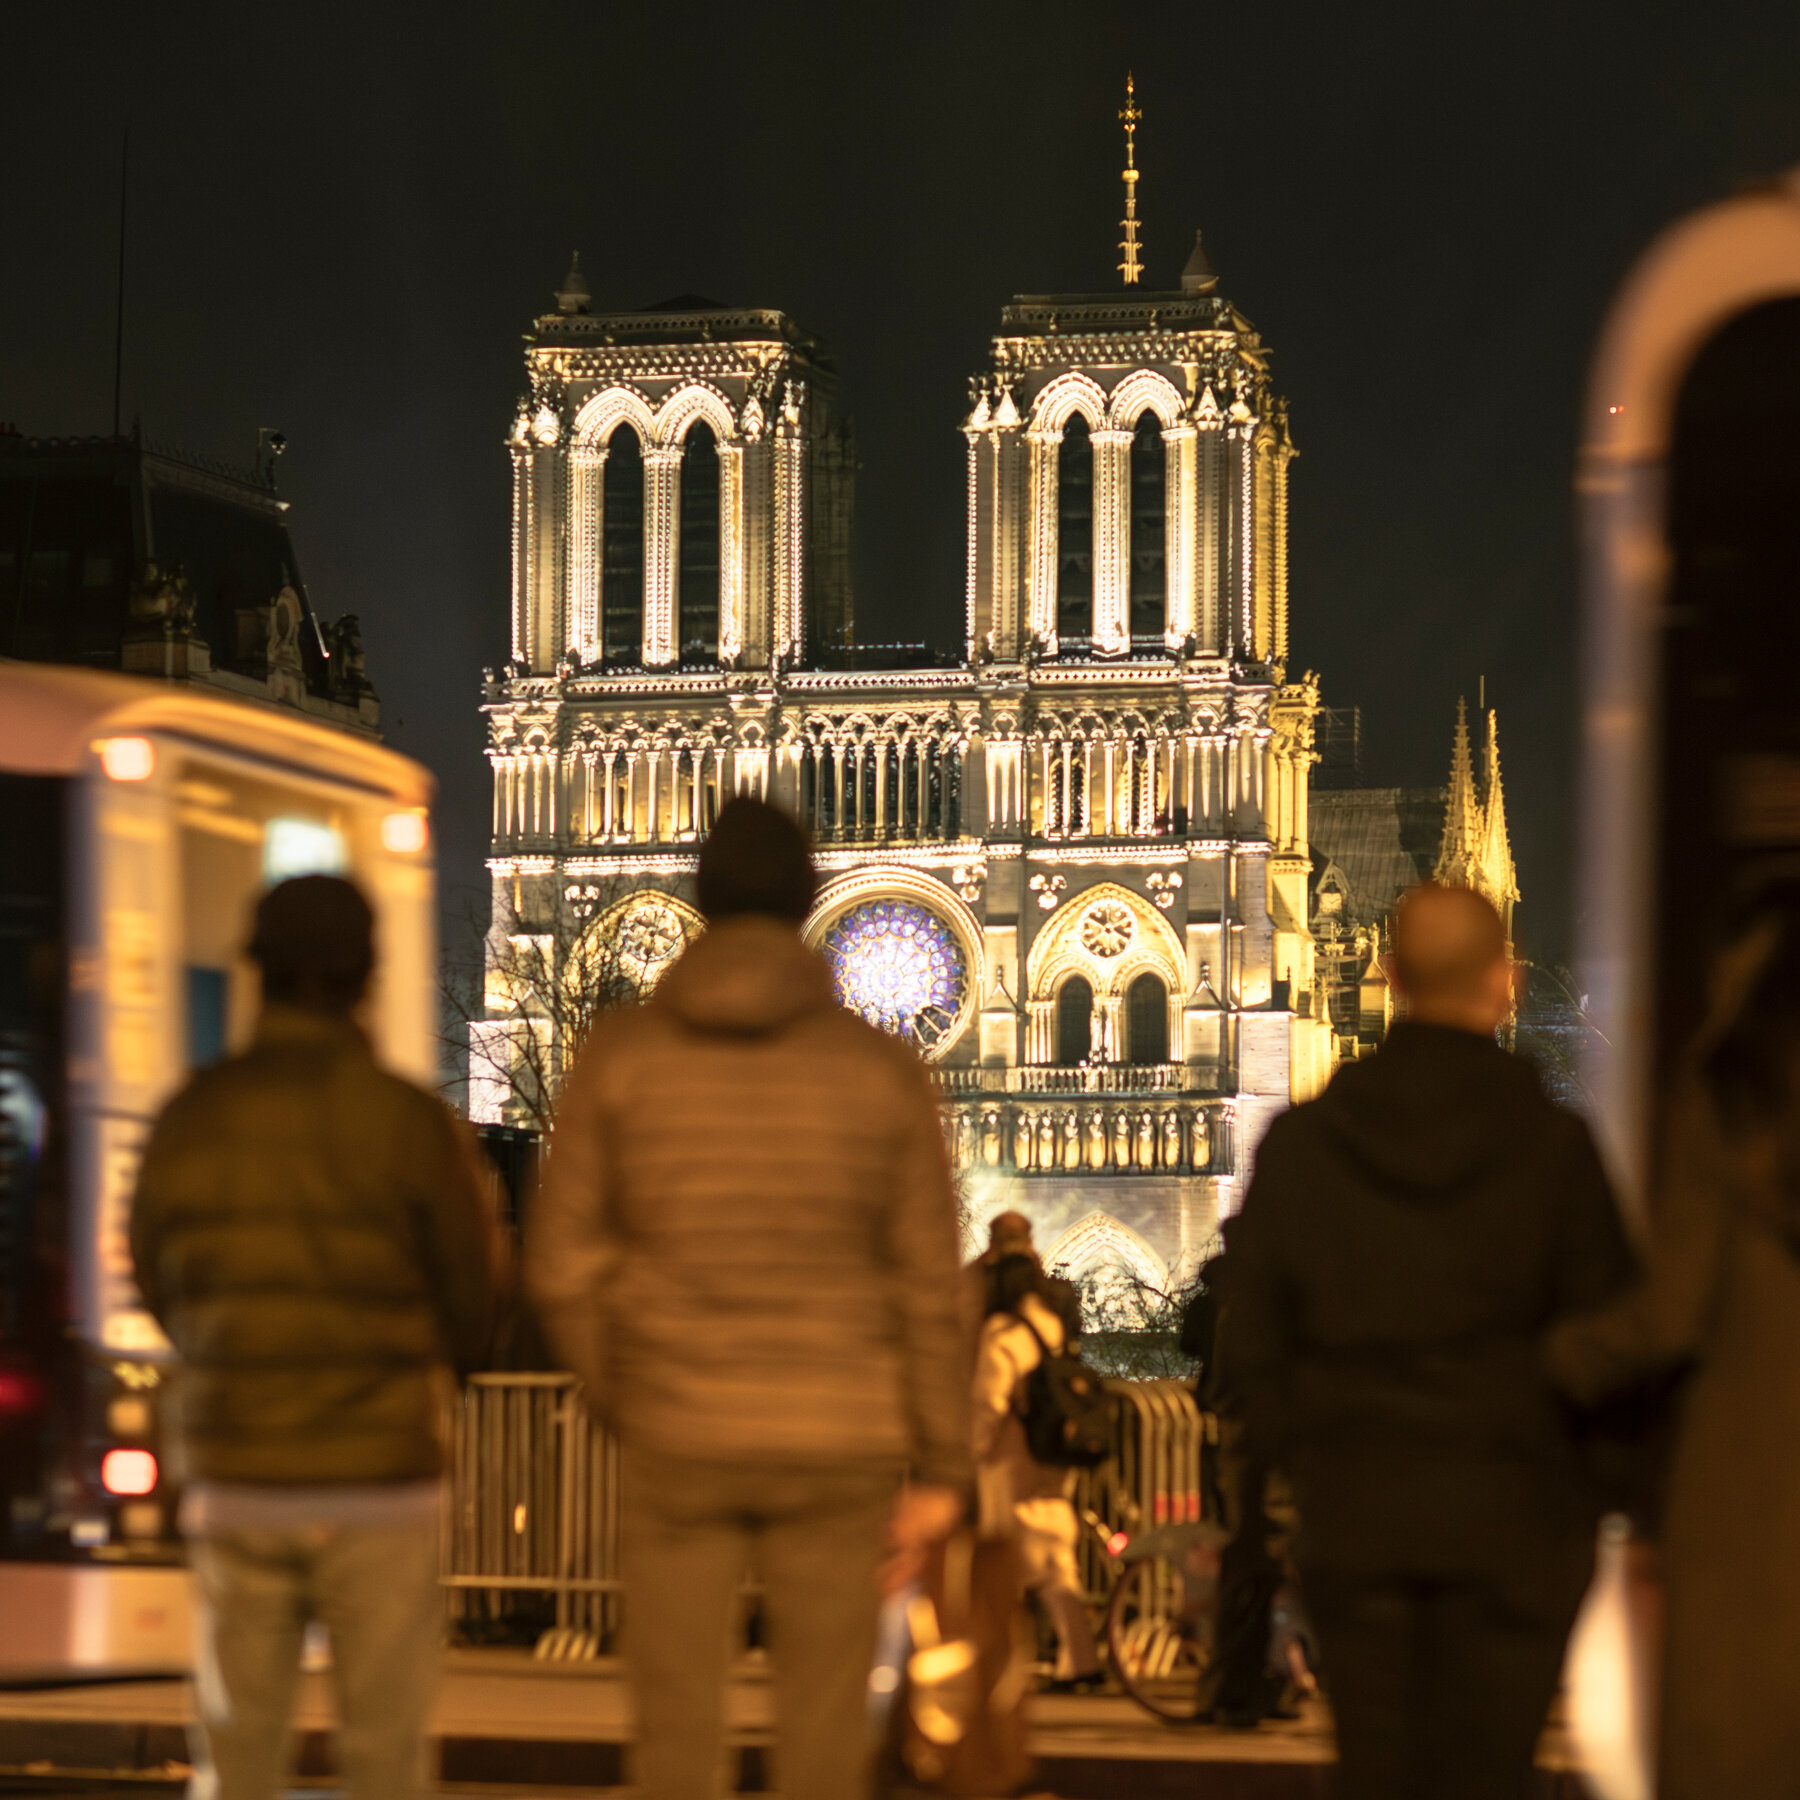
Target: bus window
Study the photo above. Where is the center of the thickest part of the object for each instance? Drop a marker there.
(302, 847)
(208, 991)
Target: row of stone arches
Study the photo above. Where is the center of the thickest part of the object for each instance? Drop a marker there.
(1140, 1030)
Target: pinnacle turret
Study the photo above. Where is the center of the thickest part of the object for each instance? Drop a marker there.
(1460, 852)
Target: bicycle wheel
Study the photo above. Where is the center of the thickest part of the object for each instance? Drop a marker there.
(1155, 1636)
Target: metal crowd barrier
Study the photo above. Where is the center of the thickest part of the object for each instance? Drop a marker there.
(1153, 1476)
(532, 1538)
(531, 1544)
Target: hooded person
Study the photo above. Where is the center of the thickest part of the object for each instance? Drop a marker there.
(1406, 1241)
(745, 1245)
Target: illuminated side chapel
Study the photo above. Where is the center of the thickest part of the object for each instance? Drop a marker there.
(1072, 865)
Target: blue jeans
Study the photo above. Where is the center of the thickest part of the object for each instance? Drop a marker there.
(376, 1591)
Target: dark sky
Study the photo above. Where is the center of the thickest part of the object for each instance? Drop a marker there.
(341, 219)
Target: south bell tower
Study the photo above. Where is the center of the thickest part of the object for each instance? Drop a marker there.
(1071, 863)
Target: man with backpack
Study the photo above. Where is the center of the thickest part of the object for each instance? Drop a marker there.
(1039, 1414)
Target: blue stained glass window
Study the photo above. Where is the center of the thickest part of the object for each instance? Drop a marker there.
(898, 965)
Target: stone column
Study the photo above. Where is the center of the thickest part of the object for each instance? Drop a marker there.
(662, 500)
(522, 543)
(1112, 541)
(731, 552)
(1208, 545)
(587, 490)
(1041, 543)
(1179, 528)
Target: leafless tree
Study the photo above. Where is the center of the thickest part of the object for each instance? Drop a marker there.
(525, 994)
(1132, 1324)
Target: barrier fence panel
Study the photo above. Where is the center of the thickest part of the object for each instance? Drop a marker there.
(531, 1543)
(532, 1539)
(1153, 1476)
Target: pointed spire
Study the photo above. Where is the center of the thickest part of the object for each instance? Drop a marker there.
(1198, 276)
(574, 296)
(1132, 267)
(1502, 881)
(1459, 853)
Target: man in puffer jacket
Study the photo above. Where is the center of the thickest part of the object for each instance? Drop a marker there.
(745, 1246)
(310, 1232)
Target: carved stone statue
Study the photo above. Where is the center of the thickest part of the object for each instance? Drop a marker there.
(162, 602)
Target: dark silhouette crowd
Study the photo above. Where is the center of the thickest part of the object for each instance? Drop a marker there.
(1436, 1358)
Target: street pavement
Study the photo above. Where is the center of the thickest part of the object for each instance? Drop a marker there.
(511, 1726)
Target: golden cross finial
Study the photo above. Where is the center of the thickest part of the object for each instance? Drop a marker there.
(1132, 267)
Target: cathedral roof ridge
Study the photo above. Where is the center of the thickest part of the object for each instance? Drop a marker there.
(688, 318)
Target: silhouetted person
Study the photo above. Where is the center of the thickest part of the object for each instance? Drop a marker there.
(311, 1233)
(1721, 1290)
(1406, 1240)
(1009, 1234)
(1237, 1688)
(745, 1245)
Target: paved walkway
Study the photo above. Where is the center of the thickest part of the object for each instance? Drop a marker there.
(509, 1724)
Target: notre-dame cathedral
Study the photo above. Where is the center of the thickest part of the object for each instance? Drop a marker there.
(1073, 865)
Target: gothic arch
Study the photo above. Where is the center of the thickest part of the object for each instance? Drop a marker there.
(1068, 394)
(1064, 947)
(602, 413)
(1100, 1242)
(697, 400)
(1145, 390)
(639, 937)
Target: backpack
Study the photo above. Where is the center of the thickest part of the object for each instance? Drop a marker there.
(1067, 1415)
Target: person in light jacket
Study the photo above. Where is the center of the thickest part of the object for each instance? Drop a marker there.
(1019, 1495)
(745, 1245)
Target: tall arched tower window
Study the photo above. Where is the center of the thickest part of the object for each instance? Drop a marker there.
(1075, 533)
(622, 550)
(699, 552)
(1074, 1021)
(1148, 530)
(1147, 1020)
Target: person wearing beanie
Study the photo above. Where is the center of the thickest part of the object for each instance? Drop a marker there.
(745, 1245)
(311, 1233)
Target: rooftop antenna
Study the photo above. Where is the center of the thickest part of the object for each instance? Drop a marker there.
(119, 304)
(1132, 267)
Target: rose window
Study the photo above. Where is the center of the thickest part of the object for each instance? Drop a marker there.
(1107, 929)
(649, 940)
(899, 966)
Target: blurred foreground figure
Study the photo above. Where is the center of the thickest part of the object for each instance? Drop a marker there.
(1721, 1291)
(745, 1246)
(311, 1233)
(1022, 1498)
(1406, 1241)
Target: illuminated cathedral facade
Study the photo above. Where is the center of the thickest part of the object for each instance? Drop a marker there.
(1072, 865)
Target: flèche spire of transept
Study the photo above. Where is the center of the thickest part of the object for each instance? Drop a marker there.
(1496, 847)
(1459, 854)
(1132, 268)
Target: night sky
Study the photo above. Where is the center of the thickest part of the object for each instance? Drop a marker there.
(341, 219)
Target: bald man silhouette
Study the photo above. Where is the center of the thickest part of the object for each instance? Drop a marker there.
(1407, 1239)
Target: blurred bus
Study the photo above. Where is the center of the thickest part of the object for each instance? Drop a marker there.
(1689, 490)
(141, 821)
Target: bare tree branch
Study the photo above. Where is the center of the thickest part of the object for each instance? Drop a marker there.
(542, 980)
